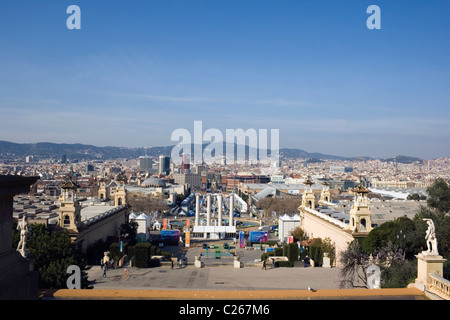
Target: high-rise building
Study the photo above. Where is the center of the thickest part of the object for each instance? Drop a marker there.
(145, 163)
(186, 164)
(164, 164)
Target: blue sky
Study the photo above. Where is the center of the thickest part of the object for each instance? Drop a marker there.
(138, 70)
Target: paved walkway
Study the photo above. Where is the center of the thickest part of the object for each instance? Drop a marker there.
(214, 278)
(219, 280)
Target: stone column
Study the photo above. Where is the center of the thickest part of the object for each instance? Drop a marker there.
(197, 209)
(231, 209)
(219, 204)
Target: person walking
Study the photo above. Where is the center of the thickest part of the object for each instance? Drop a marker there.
(264, 265)
(105, 266)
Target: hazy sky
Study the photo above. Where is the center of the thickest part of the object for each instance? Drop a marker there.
(138, 70)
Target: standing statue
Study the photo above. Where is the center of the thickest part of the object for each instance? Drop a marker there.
(23, 227)
(430, 237)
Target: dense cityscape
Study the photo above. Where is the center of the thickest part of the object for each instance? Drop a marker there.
(225, 156)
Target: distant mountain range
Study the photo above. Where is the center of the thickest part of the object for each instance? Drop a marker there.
(77, 151)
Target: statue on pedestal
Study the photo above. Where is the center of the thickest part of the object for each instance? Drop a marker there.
(23, 227)
(430, 237)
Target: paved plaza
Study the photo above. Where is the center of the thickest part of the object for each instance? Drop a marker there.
(217, 274)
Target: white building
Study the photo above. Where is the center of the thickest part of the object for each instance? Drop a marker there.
(286, 224)
(143, 222)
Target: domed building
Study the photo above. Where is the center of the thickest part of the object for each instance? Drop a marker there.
(153, 182)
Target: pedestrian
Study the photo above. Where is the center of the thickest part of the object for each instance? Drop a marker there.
(172, 264)
(264, 265)
(105, 267)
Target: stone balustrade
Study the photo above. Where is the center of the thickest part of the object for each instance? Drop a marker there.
(439, 286)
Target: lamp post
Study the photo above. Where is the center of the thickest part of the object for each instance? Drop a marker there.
(400, 237)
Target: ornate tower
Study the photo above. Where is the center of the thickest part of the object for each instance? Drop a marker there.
(121, 194)
(308, 198)
(102, 194)
(325, 195)
(70, 208)
(360, 215)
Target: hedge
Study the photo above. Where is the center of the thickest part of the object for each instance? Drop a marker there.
(278, 251)
(290, 250)
(142, 255)
(316, 252)
(288, 264)
(266, 255)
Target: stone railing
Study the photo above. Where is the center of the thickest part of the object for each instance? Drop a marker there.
(439, 286)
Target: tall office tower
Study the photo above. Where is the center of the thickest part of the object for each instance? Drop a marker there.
(164, 164)
(145, 163)
(186, 164)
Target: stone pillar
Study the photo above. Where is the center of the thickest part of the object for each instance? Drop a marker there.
(428, 263)
(231, 209)
(208, 209)
(198, 263)
(219, 204)
(236, 262)
(326, 260)
(197, 209)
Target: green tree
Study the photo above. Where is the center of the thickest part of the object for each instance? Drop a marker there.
(328, 246)
(439, 196)
(396, 271)
(53, 252)
(128, 232)
(402, 232)
(298, 234)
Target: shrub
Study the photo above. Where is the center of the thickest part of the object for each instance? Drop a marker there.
(278, 251)
(286, 264)
(266, 255)
(114, 250)
(291, 251)
(399, 274)
(130, 251)
(316, 251)
(142, 255)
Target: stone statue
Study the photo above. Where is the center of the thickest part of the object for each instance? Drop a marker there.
(373, 276)
(23, 227)
(430, 237)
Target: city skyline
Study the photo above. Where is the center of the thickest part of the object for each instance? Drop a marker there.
(135, 73)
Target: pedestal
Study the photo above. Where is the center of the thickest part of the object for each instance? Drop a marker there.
(326, 261)
(17, 282)
(428, 263)
(198, 263)
(236, 263)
